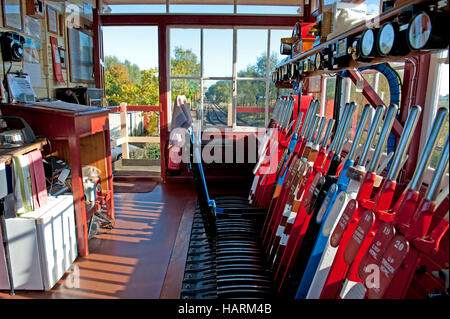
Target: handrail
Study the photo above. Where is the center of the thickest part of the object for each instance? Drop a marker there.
(155, 108)
(134, 108)
(124, 138)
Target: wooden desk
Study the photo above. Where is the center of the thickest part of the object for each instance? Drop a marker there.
(80, 137)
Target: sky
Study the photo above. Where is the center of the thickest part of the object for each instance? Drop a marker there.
(139, 45)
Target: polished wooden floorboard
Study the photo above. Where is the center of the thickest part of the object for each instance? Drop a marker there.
(131, 260)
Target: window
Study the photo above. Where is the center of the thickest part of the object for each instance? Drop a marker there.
(263, 7)
(131, 65)
(440, 97)
(282, 7)
(131, 77)
(205, 7)
(202, 68)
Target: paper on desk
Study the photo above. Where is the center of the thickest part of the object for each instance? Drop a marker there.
(20, 88)
(66, 106)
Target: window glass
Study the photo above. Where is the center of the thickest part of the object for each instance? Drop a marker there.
(330, 87)
(275, 41)
(185, 55)
(251, 53)
(274, 93)
(443, 100)
(133, 8)
(251, 99)
(288, 7)
(132, 77)
(201, 7)
(190, 89)
(217, 52)
(217, 102)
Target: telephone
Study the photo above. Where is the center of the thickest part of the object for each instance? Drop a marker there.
(12, 46)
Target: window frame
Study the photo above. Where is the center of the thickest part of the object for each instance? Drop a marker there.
(235, 4)
(430, 108)
(234, 78)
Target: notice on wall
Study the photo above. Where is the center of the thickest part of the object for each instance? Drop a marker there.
(57, 61)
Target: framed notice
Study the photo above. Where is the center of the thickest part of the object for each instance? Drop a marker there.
(52, 20)
(12, 14)
(81, 56)
(62, 58)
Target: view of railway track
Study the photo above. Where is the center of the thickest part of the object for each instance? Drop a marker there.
(215, 115)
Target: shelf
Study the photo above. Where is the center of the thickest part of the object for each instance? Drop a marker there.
(384, 17)
(6, 155)
(99, 202)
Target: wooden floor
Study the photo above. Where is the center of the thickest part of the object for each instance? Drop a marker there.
(132, 260)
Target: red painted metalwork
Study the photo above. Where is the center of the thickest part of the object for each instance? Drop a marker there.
(252, 109)
(342, 235)
(98, 50)
(164, 106)
(415, 81)
(373, 98)
(198, 20)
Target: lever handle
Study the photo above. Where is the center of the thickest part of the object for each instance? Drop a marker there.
(345, 128)
(372, 133)
(328, 132)
(387, 125)
(309, 118)
(367, 115)
(320, 130)
(313, 128)
(425, 155)
(405, 139)
(299, 123)
(339, 127)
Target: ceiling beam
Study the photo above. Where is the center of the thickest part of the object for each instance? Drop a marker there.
(198, 20)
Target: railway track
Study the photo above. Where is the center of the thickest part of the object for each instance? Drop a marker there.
(215, 115)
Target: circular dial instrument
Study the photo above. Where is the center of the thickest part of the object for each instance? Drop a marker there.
(285, 48)
(293, 70)
(386, 39)
(318, 61)
(354, 49)
(419, 31)
(367, 42)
